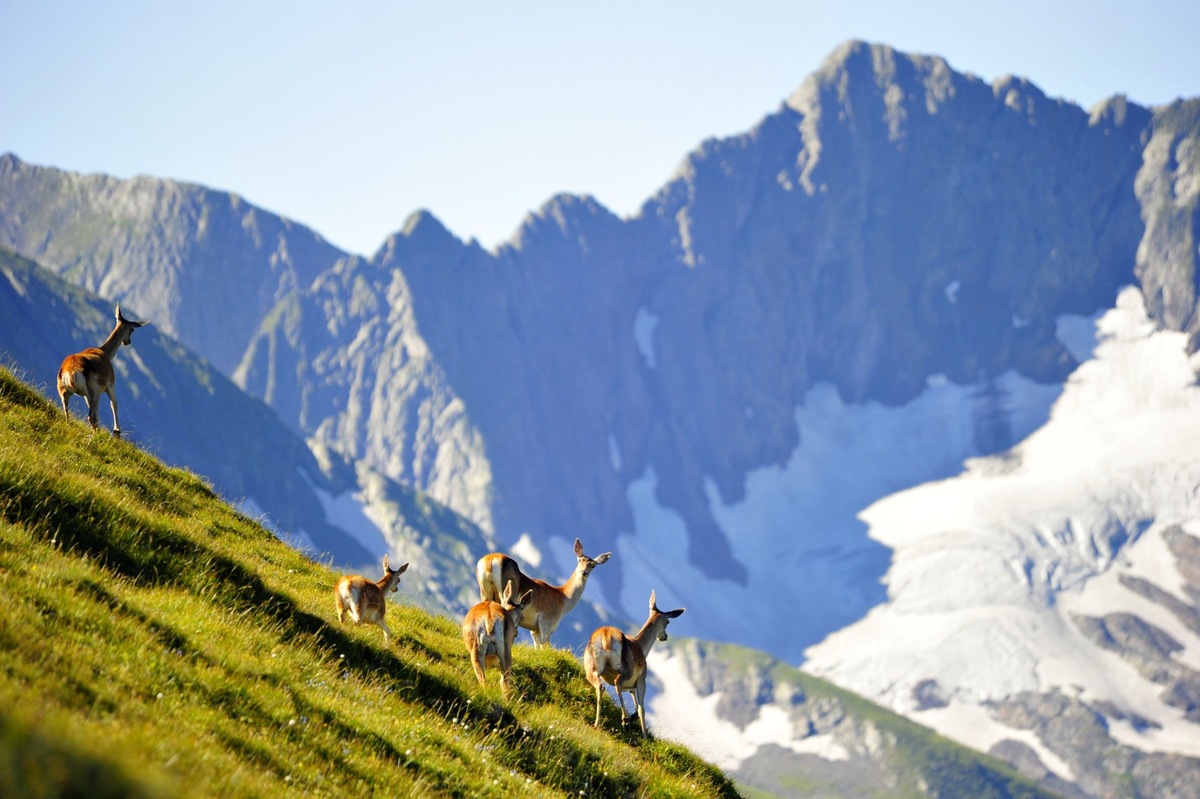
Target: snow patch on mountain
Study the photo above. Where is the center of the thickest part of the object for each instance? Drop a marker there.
(349, 511)
(643, 333)
(971, 723)
(679, 713)
(526, 551)
(797, 530)
(990, 567)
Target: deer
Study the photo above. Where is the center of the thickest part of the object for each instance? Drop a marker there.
(90, 373)
(366, 600)
(489, 630)
(550, 602)
(619, 660)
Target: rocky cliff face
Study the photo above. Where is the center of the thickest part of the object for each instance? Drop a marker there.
(892, 221)
(1168, 188)
(343, 362)
(204, 265)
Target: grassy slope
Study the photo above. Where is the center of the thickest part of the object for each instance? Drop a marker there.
(155, 642)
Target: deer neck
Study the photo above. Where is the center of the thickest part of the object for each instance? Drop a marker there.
(648, 635)
(113, 342)
(572, 589)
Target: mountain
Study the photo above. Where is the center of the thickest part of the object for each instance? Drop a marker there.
(855, 239)
(343, 363)
(886, 289)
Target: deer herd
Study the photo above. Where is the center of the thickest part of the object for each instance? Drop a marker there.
(509, 599)
(489, 629)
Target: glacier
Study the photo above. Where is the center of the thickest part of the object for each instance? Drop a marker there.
(989, 558)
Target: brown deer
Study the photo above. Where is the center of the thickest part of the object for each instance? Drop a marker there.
(550, 602)
(366, 600)
(620, 660)
(489, 630)
(90, 373)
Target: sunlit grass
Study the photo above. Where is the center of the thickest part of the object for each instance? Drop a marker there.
(156, 642)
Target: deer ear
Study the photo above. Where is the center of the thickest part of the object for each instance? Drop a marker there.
(402, 569)
(674, 614)
(527, 598)
(507, 591)
(653, 604)
(386, 568)
(578, 548)
(603, 558)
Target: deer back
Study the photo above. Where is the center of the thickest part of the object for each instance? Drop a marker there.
(89, 370)
(364, 594)
(484, 627)
(497, 570)
(614, 657)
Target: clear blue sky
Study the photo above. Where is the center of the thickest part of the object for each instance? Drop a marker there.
(348, 116)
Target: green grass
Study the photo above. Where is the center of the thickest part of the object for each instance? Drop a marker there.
(155, 642)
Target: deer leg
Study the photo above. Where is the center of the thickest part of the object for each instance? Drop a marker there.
(387, 634)
(639, 699)
(505, 668)
(92, 403)
(599, 695)
(477, 663)
(621, 700)
(112, 401)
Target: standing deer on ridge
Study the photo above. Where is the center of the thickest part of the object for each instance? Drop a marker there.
(489, 630)
(549, 602)
(366, 600)
(620, 660)
(90, 373)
